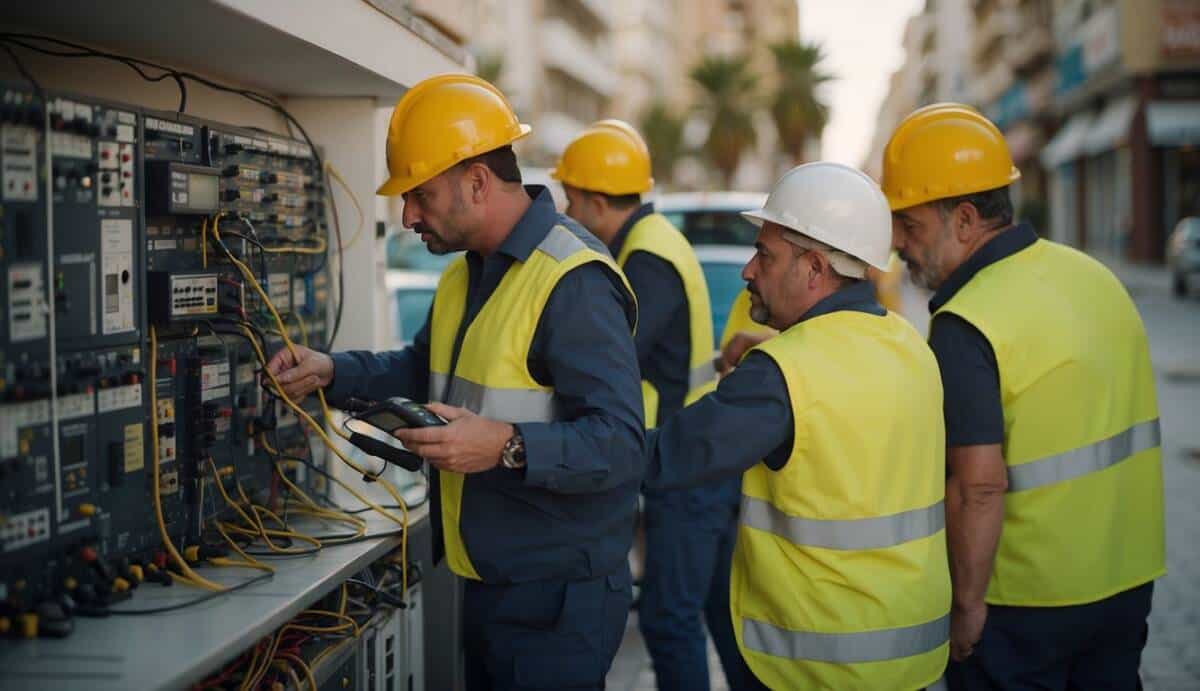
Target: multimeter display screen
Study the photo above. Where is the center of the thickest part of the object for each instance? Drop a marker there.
(203, 191)
(385, 420)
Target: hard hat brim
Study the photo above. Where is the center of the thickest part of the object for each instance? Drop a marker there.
(399, 184)
(760, 216)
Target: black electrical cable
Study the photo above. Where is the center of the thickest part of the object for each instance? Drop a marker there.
(132, 63)
(322, 471)
(190, 603)
(262, 99)
(25, 73)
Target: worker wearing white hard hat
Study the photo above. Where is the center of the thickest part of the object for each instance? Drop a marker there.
(840, 576)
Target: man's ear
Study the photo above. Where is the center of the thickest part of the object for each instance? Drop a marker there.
(479, 179)
(598, 204)
(817, 265)
(965, 221)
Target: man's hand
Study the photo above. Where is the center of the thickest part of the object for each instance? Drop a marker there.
(301, 375)
(468, 444)
(737, 346)
(966, 626)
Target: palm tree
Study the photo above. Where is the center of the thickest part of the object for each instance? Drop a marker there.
(663, 130)
(796, 107)
(727, 99)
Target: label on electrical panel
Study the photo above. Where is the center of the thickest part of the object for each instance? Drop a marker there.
(18, 176)
(17, 416)
(26, 303)
(279, 288)
(118, 398)
(65, 145)
(116, 252)
(245, 374)
(171, 127)
(76, 405)
(214, 381)
(299, 293)
(135, 457)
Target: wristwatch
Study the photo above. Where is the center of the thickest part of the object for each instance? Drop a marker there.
(513, 455)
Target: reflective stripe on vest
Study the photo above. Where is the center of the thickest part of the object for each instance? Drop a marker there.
(863, 533)
(845, 648)
(1086, 459)
(702, 374)
(511, 405)
(560, 243)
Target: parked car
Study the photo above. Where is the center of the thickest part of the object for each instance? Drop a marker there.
(1183, 254)
(410, 293)
(722, 266)
(712, 218)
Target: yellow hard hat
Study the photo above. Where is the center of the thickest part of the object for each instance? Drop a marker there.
(609, 157)
(944, 150)
(441, 121)
(624, 127)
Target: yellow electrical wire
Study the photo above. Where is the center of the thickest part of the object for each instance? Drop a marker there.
(252, 519)
(251, 667)
(308, 673)
(391, 490)
(316, 427)
(155, 491)
(204, 242)
(353, 198)
(349, 621)
(248, 274)
(250, 561)
(293, 249)
(287, 669)
(264, 531)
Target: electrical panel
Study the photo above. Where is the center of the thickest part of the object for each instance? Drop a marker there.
(121, 258)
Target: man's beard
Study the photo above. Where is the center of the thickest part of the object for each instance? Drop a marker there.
(922, 274)
(436, 243)
(758, 310)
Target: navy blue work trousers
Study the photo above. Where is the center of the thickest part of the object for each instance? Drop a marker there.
(1092, 647)
(690, 536)
(552, 634)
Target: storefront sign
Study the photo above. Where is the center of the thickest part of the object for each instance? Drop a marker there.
(1181, 29)
(1093, 47)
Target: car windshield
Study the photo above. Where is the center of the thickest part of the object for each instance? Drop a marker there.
(406, 251)
(724, 283)
(412, 308)
(714, 227)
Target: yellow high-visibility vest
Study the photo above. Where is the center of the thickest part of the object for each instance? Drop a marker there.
(655, 234)
(492, 376)
(1083, 516)
(840, 576)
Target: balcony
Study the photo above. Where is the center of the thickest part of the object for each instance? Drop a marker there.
(601, 11)
(1041, 91)
(564, 49)
(1029, 47)
(996, 26)
(991, 84)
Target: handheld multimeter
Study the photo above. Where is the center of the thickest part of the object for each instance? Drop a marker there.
(390, 415)
(399, 413)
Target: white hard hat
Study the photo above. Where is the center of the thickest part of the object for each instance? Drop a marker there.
(834, 204)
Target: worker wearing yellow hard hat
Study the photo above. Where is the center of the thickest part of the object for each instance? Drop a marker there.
(689, 533)
(528, 354)
(1054, 501)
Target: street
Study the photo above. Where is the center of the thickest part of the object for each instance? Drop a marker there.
(1171, 661)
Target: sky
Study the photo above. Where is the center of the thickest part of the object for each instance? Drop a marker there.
(861, 39)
